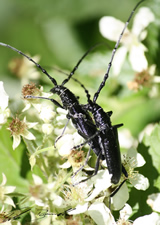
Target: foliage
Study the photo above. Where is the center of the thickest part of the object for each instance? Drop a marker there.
(36, 184)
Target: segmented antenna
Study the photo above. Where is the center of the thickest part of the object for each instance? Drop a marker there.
(86, 91)
(26, 56)
(113, 53)
(79, 62)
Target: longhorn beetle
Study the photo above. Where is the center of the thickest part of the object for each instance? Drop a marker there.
(102, 141)
(108, 134)
(79, 116)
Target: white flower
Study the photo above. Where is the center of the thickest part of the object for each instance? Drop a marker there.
(47, 128)
(145, 78)
(4, 190)
(146, 131)
(80, 208)
(65, 147)
(25, 69)
(61, 121)
(111, 29)
(133, 160)
(42, 193)
(65, 144)
(46, 112)
(101, 214)
(62, 114)
(32, 90)
(4, 110)
(125, 213)
(20, 128)
(3, 97)
(152, 218)
(37, 191)
(101, 181)
(76, 196)
(125, 139)
(154, 201)
(120, 198)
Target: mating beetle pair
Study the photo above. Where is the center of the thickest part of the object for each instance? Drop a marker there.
(101, 136)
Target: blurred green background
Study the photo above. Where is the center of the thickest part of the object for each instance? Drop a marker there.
(61, 31)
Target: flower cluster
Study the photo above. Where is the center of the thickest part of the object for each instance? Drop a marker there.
(131, 43)
(24, 69)
(82, 197)
(58, 180)
(110, 28)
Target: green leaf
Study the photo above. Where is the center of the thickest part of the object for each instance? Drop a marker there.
(13, 163)
(153, 141)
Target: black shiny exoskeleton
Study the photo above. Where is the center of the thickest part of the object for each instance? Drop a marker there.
(102, 120)
(76, 112)
(108, 134)
(101, 136)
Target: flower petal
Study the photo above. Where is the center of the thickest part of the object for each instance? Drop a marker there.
(64, 145)
(119, 59)
(138, 158)
(47, 113)
(101, 214)
(30, 125)
(65, 165)
(146, 131)
(142, 19)
(16, 141)
(37, 179)
(59, 202)
(32, 161)
(3, 97)
(9, 189)
(102, 181)
(154, 201)
(120, 198)
(125, 138)
(4, 115)
(152, 218)
(111, 28)
(139, 182)
(40, 203)
(79, 209)
(126, 212)
(4, 180)
(47, 128)
(137, 58)
(9, 201)
(28, 135)
(27, 106)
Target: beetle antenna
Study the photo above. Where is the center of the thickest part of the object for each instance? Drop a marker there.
(81, 59)
(113, 53)
(86, 91)
(30, 59)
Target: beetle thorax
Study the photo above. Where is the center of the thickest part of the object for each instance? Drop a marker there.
(67, 97)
